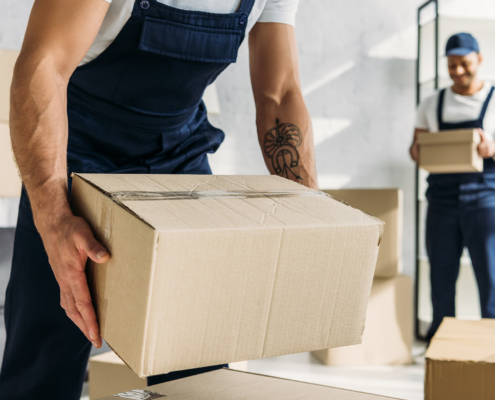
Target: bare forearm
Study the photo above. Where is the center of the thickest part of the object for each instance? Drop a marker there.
(38, 126)
(286, 138)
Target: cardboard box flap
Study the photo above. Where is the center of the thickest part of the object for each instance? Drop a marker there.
(449, 137)
(460, 340)
(228, 384)
(277, 202)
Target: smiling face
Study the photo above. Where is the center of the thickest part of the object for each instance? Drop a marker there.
(463, 69)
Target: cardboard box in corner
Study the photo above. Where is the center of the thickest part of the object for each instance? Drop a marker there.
(207, 270)
(386, 204)
(388, 335)
(450, 151)
(10, 182)
(460, 362)
(108, 374)
(227, 384)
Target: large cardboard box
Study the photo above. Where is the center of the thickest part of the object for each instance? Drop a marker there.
(386, 204)
(226, 384)
(208, 270)
(7, 62)
(460, 362)
(108, 374)
(10, 182)
(450, 151)
(388, 334)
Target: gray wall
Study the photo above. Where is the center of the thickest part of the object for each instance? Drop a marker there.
(357, 71)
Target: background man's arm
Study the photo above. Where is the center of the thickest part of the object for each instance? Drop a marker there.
(414, 149)
(284, 126)
(58, 36)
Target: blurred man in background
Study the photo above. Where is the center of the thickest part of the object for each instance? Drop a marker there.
(461, 207)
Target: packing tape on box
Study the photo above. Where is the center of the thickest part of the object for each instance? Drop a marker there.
(216, 195)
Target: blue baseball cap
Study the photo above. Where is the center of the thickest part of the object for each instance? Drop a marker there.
(461, 44)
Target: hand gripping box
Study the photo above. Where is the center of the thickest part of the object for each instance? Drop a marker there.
(225, 384)
(207, 270)
(450, 151)
(386, 204)
(460, 362)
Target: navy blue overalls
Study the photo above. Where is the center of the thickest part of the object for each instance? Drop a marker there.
(136, 108)
(461, 213)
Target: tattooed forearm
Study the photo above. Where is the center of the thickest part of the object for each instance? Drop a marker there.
(280, 144)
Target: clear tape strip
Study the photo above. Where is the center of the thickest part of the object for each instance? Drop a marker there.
(143, 195)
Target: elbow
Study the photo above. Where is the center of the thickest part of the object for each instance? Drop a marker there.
(271, 98)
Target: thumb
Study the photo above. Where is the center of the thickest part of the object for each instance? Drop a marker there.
(482, 135)
(94, 249)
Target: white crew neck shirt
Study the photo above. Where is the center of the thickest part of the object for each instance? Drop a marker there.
(280, 11)
(458, 108)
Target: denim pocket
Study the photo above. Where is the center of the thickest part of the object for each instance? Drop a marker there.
(189, 42)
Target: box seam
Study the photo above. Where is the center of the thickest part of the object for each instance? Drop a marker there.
(148, 310)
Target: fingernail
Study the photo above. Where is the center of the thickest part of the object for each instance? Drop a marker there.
(101, 254)
(92, 336)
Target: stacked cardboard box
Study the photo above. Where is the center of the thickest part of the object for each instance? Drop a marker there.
(450, 151)
(10, 183)
(207, 270)
(227, 384)
(108, 375)
(460, 362)
(388, 334)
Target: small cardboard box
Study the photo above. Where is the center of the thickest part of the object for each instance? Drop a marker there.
(207, 270)
(108, 374)
(388, 334)
(387, 205)
(10, 182)
(450, 151)
(226, 384)
(7, 62)
(460, 362)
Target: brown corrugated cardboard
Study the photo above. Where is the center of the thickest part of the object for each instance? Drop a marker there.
(7, 62)
(386, 204)
(450, 151)
(460, 362)
(108, 374)
(227, 384)
(201, 280)
(10, 183)
(388, 334)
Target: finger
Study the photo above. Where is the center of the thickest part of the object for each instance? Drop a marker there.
(92, 247)
(68, 304)
(482, 135)
(84, 305)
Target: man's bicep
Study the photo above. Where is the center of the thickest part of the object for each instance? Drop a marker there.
(62, 32)
(273, 59)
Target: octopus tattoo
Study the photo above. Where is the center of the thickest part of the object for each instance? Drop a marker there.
(281, 143)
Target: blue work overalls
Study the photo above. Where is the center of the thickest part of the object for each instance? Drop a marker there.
(461, 213)
(136, 108)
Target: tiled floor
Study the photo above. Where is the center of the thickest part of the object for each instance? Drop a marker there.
(402, 382)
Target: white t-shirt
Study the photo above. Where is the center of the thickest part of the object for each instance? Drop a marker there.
(281, 11)
(458, 108)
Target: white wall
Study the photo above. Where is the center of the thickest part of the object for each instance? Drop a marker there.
(357, 71)
(357, 61)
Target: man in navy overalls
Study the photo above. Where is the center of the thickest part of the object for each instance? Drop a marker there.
(461, 207)
(135, 108)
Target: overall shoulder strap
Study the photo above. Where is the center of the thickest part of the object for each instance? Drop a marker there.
(441, 96)
(246, 6)
(485, 104)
